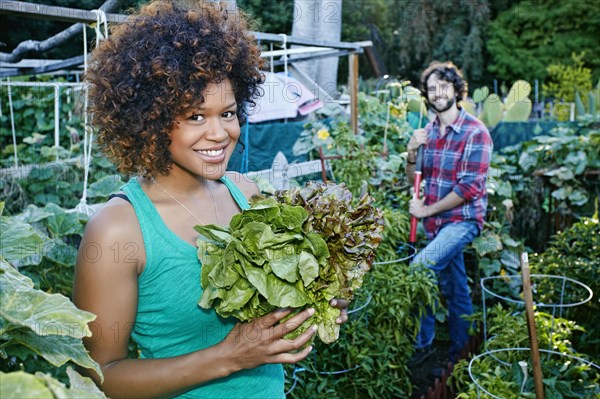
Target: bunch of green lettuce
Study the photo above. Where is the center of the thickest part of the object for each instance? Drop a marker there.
(300, 248)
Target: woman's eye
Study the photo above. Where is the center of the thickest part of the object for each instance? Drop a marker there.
(196, 118)
(228, 114)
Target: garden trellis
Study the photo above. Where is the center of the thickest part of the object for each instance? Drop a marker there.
(284, 57)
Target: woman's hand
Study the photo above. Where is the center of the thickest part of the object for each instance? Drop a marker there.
(418, 138)
(343, 306)
(261, 341)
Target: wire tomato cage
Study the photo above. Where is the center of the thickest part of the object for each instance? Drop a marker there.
(510, 355)
(555, 292)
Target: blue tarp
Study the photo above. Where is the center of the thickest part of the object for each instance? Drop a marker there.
(262, 142)
(505, 134)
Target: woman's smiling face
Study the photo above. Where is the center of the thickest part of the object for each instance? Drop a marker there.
(202, 142)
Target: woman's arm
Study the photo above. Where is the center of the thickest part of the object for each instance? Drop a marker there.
(106, 285)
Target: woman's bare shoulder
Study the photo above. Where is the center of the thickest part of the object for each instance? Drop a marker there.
(113, 227)
(244, 183)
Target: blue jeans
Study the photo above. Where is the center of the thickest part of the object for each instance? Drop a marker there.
(444, 255)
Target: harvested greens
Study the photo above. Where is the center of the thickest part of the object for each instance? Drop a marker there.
(300, 248)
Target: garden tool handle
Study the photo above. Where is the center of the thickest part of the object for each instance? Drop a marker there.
(533, 341)
(416, 194)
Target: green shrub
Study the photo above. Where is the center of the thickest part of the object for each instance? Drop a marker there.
(575, 253)
(376, 343)
(41, 332)
(500, 373)
(564, 81)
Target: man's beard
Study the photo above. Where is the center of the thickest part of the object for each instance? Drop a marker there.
(446, 107)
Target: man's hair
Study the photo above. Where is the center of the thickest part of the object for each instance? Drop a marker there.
(155, 67)
(450, 73)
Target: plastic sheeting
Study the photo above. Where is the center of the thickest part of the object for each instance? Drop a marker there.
(262, 142)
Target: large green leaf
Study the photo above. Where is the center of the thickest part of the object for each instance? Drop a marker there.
(480, 94)
(286, 266)
(519, 92)
(18, 241)
(60, 253)
(284, 294)
(23, 385)
(309, 268)
(528, 160)
(487, 243)
(578, 197)
(105, 186)
(84, 384)
(62, 223)
(33, 214)
(562, 173)
(223, 276)
(24, 306)
(56, 349)
(493, 110)
(518, 112)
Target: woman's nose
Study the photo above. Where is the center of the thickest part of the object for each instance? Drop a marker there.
(216, 129)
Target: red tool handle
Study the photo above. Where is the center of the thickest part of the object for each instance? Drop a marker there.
(413, 220)
(416, 194)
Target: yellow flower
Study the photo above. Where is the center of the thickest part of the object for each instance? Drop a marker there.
(503, 275)
(323, 134)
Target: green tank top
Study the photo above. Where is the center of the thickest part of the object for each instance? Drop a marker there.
(169, 321)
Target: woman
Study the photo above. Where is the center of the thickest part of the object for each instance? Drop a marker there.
(168, 91)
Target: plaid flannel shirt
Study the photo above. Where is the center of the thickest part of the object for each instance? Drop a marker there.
(457, 162)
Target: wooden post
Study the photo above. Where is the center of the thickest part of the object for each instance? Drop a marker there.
(533, 341)
(353, 85)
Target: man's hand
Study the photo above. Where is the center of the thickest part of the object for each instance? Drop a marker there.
(418, 209)
(418, 138)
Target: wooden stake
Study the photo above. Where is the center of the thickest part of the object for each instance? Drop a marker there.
(353, 85)
(533, 341)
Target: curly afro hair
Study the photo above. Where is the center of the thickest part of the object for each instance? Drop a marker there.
(450, 73)
(156, 66)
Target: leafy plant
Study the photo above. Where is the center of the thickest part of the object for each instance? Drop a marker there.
(491, 109)
(39, 332)
(43, 179)
(574, 253)
(302, 247)
(33, 113)
(369, 360)
(500, 374)
(564, 81)
(557, 164)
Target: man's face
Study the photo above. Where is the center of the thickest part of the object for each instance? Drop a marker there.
(440, 93)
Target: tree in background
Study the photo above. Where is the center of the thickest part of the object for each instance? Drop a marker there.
(411, 33)
(524, 40)
(271, 16)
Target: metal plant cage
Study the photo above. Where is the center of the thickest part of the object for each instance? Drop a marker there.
(505, 358)
(407, 251)
(554, 292)
(559, 293)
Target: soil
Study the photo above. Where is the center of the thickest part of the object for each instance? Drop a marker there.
(421, 379)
